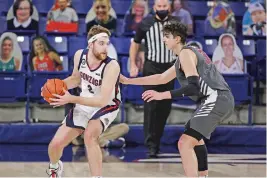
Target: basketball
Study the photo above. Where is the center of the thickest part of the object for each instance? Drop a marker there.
(53, 86)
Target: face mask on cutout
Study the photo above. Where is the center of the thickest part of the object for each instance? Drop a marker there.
(162, 14)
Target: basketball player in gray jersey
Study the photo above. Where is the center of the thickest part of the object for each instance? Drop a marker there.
(201, 81)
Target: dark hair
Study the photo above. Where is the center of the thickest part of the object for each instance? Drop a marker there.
(7, 38)
(176, 28)
(33, 53)
(16, 7)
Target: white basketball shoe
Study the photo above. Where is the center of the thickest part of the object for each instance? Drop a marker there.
(56, 173)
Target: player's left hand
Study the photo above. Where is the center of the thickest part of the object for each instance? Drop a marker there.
(61, 100)
(150, 95)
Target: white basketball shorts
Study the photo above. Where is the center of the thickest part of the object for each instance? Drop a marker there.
(78, 118)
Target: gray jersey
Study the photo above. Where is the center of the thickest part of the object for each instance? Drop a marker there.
(210, 79)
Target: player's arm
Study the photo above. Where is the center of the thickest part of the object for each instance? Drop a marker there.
(54, 56)
(74, 80)
(111, 74)
(156, 79)
(188, 61)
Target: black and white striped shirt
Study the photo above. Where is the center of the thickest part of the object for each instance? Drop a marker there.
(150, 29)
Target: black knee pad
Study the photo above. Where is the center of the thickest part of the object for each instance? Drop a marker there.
(202, 157)
(193, 133)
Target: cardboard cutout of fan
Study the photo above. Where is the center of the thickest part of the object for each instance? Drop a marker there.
(227, 56)
(22, 15)
(62, 18)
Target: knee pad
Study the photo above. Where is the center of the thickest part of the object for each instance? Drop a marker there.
(193, 133)
(202, 157)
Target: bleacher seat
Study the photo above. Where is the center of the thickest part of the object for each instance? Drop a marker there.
(238, 8)
(242, 88)
(199, 27)
(9, 86)
(121, 6)
(261, 49)
(60, 43)
(82, 7)
(65, 63)
(76, 43)
(42, 25)
(24, 43)
(132, 93)
(3, 26)
(10, 92)
(209, 46)
(240, 85)
(42, 6)
(5, 6)
(247, 47)
(119, 28)
(198, 8)
(261, 60)
(122, 45)
(82, 27)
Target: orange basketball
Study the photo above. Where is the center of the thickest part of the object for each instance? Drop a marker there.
(53, 86)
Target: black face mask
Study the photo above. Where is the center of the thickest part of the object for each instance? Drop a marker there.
(162, 14)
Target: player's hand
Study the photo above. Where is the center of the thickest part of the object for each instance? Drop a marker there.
(42, 91)
(124, 80)
(61, 100)
(134, 71)
(150, 95)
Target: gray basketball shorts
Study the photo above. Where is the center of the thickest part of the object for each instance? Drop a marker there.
(213, 109)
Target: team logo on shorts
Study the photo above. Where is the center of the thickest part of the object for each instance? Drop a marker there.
(106, 121)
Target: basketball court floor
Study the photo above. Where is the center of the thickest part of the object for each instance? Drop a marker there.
(32, 161)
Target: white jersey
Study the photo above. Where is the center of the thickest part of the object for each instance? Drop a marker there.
(235, 68)
(91, 81)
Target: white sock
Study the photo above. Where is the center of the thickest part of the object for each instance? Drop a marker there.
(53, 166)
(97, 177)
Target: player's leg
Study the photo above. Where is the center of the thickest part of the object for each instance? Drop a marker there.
(209, 114)
(62, 138)
(91, 134)
(202, 158)
(186, 146)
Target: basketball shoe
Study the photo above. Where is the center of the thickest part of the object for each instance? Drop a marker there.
(55, 173)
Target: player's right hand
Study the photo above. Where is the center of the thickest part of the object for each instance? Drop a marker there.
(134, 71)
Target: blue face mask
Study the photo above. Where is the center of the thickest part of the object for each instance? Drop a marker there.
(162, 14)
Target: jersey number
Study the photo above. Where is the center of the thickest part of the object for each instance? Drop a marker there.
(90, 89)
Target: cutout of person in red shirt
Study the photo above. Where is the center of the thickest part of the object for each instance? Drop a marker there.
(44, 57)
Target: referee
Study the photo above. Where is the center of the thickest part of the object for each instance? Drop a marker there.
(157, 60)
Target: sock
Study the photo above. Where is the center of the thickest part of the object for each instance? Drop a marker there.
(53, 166)
(97, 177)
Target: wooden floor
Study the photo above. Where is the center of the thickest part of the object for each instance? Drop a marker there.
(132, 162)
(80, 169)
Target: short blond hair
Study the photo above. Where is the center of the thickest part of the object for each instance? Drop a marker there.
(96, 29)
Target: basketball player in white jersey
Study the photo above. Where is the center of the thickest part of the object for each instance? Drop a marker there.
(95, 108)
